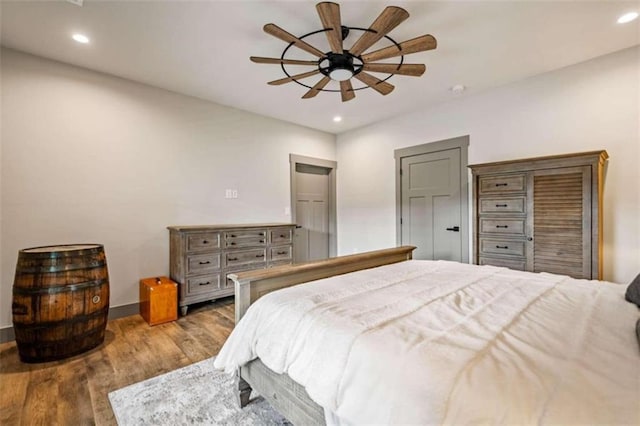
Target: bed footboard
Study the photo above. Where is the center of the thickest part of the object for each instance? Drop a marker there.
(251, 285)
(284, 394)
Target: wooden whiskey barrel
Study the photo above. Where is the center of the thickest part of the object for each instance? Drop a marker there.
(60, 301)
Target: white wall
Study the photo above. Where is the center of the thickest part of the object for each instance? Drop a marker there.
(589, 106)
(87, 157)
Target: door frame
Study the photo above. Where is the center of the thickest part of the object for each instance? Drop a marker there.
(462, 143)
(295, 159)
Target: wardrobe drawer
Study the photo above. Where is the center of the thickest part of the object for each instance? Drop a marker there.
(502, 226)
(502, 205)
(505, 247)
(280, 253)
(203, 241)
(203, 263)
(502, 184)
(203, 284)
(280, 236)
(246, 257)
(516, 264)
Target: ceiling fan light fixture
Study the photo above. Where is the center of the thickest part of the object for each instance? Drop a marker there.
(340, 74)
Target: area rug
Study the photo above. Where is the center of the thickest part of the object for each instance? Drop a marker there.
(193, 395)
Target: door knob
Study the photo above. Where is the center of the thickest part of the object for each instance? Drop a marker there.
(454, 229)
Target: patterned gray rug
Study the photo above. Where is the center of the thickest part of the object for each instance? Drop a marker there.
(193, 395)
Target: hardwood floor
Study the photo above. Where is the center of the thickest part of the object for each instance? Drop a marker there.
(74, 391)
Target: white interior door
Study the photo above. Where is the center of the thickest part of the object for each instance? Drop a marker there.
(312, 212)
(431, 205)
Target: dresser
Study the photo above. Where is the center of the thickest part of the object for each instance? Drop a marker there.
(202, 256)
(540, 214)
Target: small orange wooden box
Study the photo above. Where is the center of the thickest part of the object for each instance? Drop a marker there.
(158, 300)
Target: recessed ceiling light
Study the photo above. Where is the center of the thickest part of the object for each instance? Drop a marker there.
(627, 17)
(80, 38)
(337, 119)
(458, 89)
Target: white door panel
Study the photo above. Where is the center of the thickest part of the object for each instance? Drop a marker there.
(431, 205)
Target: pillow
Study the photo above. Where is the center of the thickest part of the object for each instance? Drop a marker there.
(633, 291)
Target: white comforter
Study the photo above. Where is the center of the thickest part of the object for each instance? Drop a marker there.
(424, 342)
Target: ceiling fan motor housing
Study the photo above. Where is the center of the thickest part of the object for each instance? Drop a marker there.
(340, 66)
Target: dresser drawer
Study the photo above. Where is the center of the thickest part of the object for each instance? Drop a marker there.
(203, 284)
(203, 241)
(228, 282)
(502, 226)
(280, 253)
(502, 205)
(275, 264)
(245, 238)
(246, 257)
(502, 184)
(281, 236)
(203, 263)
(497, 246)
(516, 264)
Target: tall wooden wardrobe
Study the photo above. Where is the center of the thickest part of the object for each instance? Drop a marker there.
(540, 214)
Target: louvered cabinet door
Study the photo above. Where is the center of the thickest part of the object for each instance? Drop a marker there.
(559, 205)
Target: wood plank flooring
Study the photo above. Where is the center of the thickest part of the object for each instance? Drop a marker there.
(74, 391)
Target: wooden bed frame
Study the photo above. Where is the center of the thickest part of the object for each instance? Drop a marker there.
(283, 393)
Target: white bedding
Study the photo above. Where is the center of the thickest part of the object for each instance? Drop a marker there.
(432, 342)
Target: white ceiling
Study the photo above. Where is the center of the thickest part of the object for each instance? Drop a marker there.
(202, 48)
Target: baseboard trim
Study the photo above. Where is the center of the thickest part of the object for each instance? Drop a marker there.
(7, 334)
(124, 311)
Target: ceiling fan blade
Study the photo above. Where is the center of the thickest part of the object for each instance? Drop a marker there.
(260, 60)
(276, 31)
(379, 86)
(330, 16)
(346, 90)
(413, 70)
(418, 44)
(390, 18)
(317, 88)
(294, 77)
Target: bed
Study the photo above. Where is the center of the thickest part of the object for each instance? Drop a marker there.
(378, 338)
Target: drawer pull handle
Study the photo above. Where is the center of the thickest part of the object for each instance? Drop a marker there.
(282, 235)
(232, 243)
(232, 259)
(501, 205)
(205, 263)
(261, 241)
(259, 255)
(205, 241)
(502, 184)
(232, 236)
(502, 226)
(207, 283)
(261, 234)
(502, 247)
(281, 252)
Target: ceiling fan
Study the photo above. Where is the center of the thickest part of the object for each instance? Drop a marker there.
(341, 64)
